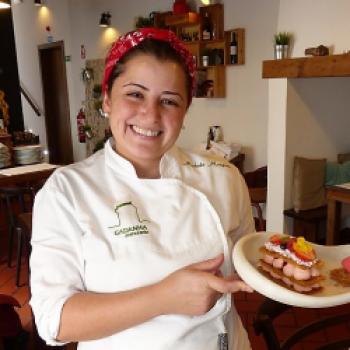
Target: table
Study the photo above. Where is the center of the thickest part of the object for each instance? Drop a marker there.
(26, 174)
(336, 195)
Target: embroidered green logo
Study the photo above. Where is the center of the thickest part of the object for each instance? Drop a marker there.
(132, 224)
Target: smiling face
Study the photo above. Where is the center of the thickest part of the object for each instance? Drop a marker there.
(147, 106)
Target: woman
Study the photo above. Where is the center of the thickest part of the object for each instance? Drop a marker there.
(131, 247)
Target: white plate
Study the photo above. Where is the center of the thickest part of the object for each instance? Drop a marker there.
(24, 155)
(246, 255)
(26, 148)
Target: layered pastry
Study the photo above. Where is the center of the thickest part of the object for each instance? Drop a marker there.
(292, 262)
(342, 274)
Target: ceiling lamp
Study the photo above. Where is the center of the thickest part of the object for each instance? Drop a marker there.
(38, 3)
(5, 4)
(105, 20)
(210, 2)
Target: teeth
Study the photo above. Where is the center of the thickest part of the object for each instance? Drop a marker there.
(145, 132)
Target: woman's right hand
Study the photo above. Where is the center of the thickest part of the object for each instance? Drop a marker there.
(194, 289)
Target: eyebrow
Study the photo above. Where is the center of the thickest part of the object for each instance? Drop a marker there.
(146, 89)
(135, 84)
(173, 93)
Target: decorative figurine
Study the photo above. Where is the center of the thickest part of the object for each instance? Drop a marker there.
(317, 51)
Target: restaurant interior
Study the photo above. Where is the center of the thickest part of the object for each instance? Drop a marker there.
(281, 117)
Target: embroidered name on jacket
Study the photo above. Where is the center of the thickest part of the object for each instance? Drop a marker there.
(209, 164)
(129, 221)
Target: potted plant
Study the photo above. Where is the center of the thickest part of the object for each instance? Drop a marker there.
(142, 22)
(282, 41)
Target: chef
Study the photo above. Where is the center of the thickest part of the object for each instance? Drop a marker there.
(131, 248)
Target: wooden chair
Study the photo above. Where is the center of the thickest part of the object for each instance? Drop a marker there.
(24, 235)
(15, 200)
(307, 223)
(257, 186)
(269, 310)
(12, 334)
(19, 201)
(34, 187)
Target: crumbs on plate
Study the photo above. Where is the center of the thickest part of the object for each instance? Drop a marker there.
(342, 275)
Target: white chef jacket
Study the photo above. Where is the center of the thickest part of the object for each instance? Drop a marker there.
(98, 227)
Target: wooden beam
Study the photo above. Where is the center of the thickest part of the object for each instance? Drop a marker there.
(308, 67)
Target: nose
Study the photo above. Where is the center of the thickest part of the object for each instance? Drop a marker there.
(150, 111)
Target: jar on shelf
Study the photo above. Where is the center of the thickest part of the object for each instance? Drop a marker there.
(205, 61)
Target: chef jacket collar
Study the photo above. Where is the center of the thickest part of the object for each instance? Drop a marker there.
(169, 163)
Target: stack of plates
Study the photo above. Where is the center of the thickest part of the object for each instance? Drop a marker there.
(24, 155)
(5, 156)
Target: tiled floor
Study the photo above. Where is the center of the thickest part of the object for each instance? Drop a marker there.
(287, 323)
(247, 305)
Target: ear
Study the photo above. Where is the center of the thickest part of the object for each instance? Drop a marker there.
(106, 105)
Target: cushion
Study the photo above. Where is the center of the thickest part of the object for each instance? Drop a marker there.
(337, 173)
(343, 157)
(308, 183)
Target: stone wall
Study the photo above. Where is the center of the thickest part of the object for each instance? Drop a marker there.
(93, 101)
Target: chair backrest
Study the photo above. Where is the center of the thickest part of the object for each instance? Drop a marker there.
(343, 157)
(36, 187)
(257, 186)
(25, 223)
(256, 178)
(269, 310)
(16, 196)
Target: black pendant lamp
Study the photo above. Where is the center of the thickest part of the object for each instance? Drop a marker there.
(105, 20)
(5, 4)
(38, 3)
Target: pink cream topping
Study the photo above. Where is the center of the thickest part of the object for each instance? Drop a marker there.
(346, 264)
(288, 254)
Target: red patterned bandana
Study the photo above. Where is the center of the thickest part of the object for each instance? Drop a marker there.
(132, 39)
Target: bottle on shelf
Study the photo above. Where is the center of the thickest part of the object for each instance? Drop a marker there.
(233, 49)
(214, 33)
(207, 29)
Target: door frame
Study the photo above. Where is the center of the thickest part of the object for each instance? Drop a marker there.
(64, 93)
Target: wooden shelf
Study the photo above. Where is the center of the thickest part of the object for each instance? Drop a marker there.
(216, 15)
(308, 67)
(183, 19)
(211, 79)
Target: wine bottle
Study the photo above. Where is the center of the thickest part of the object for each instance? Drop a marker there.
(233, 49)
(206, 31)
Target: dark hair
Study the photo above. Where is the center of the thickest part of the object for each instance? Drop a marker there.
(161, 50)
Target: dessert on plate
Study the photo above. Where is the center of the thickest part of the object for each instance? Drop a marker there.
(292, 262)
(342, 274)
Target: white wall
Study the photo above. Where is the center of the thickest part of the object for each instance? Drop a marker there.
(315, 22)
(26, 16)
(318, 123)
(29, 27)
(277, 134)
(314, 116)
(243, 113)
